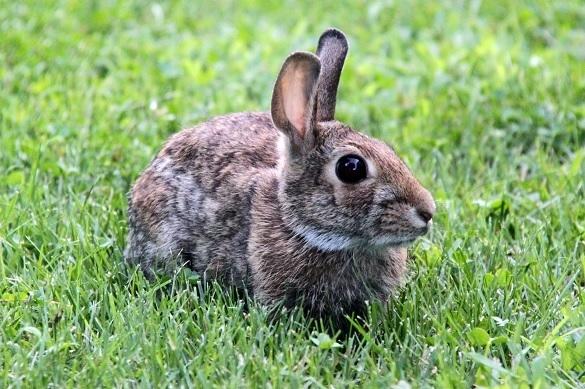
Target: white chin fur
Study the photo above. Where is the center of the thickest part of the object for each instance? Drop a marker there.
(331, 241)
(324, 240)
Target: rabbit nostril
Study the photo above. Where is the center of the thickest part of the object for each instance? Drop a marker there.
(424, 215)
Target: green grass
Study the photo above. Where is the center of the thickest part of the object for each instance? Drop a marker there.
(484, 100)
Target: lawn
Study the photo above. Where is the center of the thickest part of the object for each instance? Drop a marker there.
(484, 100)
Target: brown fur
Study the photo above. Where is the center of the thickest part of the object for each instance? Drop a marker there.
(252, 199)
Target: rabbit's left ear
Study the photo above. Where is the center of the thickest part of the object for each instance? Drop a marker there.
(331, 50)
(293, 99)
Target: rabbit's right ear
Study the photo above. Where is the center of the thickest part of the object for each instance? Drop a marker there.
(331, 50)
(293, 99)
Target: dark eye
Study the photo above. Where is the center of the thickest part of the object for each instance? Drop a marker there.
(351, 169)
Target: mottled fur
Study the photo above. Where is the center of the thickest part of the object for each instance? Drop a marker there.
(252, 200)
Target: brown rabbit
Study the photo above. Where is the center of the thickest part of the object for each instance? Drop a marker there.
(291, 205)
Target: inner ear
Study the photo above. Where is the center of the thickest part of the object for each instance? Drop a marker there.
(293, 100)
(297, 90)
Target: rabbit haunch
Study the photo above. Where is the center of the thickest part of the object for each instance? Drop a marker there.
(255, 200)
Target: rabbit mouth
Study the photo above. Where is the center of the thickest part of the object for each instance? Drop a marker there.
(394, 241)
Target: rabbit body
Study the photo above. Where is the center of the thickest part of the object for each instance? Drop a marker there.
(274, 202)
(192, 203)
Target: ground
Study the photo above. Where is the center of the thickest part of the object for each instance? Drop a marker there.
(484, 100)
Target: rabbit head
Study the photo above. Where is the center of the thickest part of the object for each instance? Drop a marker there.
(339, 189)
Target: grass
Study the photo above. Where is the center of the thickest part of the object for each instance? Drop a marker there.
(485, 101)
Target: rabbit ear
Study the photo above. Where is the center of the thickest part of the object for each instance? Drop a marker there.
(293, 98)
(331, 50)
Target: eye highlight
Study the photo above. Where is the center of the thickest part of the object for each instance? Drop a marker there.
(351, 169)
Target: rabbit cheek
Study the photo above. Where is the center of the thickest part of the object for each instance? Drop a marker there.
(355, 197)
(352, 207)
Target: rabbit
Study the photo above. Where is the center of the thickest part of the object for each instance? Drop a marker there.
(292, 206)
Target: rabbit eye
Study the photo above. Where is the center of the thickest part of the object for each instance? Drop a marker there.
(351, 169)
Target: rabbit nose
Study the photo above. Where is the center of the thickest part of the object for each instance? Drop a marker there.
(425, 209)
(426, 216)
